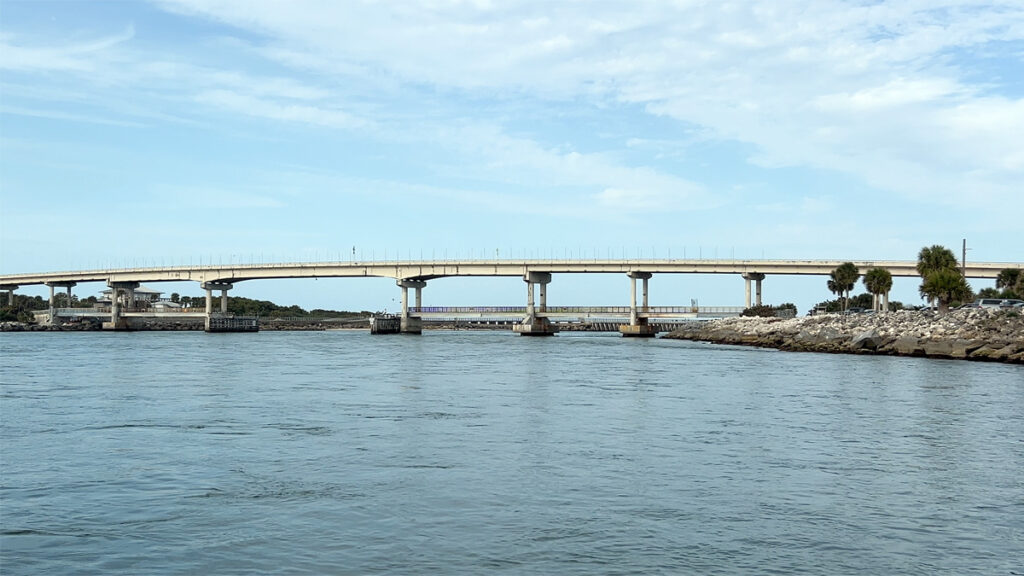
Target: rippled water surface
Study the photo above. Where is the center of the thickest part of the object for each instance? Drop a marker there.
(466, 453)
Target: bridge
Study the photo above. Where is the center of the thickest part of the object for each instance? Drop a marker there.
(537, 273)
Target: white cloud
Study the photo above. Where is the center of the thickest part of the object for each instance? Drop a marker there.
(842, 86)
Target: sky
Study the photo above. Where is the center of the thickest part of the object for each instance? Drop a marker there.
(171, 132)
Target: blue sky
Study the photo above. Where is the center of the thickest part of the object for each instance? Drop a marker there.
(171, 131)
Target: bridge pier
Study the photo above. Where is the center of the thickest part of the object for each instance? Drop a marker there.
(638, 326)
(534, 324)
(10, 288)
(53, 297)
(411, 324)
(117, 289)
(757, 277)
(210, 287)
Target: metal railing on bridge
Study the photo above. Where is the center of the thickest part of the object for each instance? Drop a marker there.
(577, 310)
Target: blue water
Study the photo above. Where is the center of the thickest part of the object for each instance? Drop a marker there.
(483, 452)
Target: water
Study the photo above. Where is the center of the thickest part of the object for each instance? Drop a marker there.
(468, 453)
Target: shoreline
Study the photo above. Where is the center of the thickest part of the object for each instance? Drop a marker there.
(979, 334)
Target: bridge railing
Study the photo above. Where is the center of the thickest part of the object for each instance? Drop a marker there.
(577, 309)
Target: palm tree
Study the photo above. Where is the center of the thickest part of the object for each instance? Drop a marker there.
(945, 286)
(844, 278)
(1008, 279)
(878, 281)
(931, 259)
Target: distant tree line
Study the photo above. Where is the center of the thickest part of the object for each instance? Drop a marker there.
(264, 308)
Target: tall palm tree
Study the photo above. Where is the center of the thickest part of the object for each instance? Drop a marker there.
(933, 258)
(845, 277)
(878, 281)
(944, 286)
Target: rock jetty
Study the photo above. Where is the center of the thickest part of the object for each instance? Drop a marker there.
(972, 334)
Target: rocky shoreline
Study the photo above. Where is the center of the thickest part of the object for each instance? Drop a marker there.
(971, 334)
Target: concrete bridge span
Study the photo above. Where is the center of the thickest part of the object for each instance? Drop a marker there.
(537, 273)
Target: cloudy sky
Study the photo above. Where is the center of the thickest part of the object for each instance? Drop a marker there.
(178, 131)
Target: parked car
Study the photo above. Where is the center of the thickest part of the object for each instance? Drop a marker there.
(1011, 302)
(988, 302)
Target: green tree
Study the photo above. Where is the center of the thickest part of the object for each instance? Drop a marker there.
(843, 278)
(1007, 278)
(878, 281)
(175, 297)
(945, 286)
(935, 258)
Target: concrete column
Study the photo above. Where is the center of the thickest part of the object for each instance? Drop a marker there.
(634, 317)
(69, 295)
(632, 301)
(116, 290)
(410, 324)
(757, 277)
(645, 294)
(638, 326)
(209, 301)
(534, 325)
(224, 301)
(52, 299)
(531, 314)
(10, 288)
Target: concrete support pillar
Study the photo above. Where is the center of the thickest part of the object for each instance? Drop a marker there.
(757, 277)
(116, 291)
(70, 284)
(10, 288)
(638, 326)
(52, 298)
(411, 324)
(531, 314)
(536, 322)
(632, 301)
(645, 294)
(209, 287)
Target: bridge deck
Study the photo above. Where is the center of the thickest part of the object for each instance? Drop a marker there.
(429, 269)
